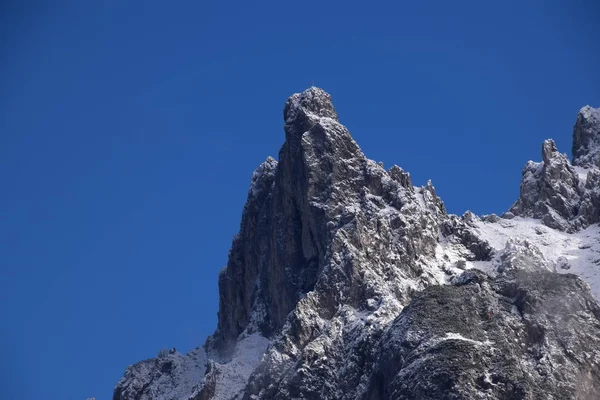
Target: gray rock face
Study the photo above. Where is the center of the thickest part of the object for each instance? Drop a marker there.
(525, 335)
(279, 252)
(239, 279)
(345, 281)
(460, 230)
(586, 138)
(550, 190)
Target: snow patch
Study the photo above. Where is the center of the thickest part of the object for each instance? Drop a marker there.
(233, 376)
(582, 173)
(577, 253)
(458, 336)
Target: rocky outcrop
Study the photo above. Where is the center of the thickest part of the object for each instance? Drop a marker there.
(345, 281)
(565, 196)
(586, 138)
(522, 255)
(460, 231)
(550, 190)
(525, 335)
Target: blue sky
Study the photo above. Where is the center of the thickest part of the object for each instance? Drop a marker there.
(129, 132)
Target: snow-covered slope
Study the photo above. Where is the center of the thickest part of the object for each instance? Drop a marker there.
(336, 257)
(226, 379)
(576, 253)
(170, 376)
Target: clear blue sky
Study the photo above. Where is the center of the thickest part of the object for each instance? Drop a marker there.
(129, 132)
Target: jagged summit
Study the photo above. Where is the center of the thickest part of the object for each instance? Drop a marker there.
(565, 195)
(345, 281)
(550, 189)
(586, 138)
(313, 101)
(304, 110)
(331, 231)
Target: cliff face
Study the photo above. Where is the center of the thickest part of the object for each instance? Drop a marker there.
(348, 282)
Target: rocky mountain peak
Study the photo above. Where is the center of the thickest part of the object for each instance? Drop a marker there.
(286, 224)
(586, 138)
(304, 110)
(313, 101)
(549, 150)
(345, 281)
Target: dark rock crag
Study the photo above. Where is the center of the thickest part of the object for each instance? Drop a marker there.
(524, 335)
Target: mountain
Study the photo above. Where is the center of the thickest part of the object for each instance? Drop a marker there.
(345, 281)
